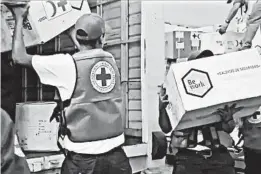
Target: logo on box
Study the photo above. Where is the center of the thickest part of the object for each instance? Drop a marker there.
(55, 8)
(197, 83)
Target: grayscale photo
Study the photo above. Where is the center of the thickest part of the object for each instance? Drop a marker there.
(130, 87)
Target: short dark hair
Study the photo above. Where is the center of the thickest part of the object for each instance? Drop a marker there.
(200, 54)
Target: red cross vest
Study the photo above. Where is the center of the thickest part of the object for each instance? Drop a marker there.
(95, 109)
(252, 132)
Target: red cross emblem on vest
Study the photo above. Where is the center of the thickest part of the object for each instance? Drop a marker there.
(103, 77)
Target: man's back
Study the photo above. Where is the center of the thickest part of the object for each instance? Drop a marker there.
(97, 96)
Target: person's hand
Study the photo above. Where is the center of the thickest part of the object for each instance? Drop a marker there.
(246, 6)
(179, 140)
(229, 1)
(223, 28)
(227, 112)
(72, 33)
(163, 98)
(20, 11)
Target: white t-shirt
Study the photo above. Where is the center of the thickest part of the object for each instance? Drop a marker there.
(59, 70)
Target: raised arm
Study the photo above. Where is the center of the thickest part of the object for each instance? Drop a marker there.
(232, 13)
(164, 120)
(19, 54)
(72, 33)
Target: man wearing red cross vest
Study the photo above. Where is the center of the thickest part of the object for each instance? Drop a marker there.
(88, 82)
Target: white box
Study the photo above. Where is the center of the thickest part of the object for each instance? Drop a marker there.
(34, 131)
(46, 20)
(196, 89)
(226, 43)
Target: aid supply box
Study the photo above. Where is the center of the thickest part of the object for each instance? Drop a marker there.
(46, 19)
(179, 44)
(226, 43)
(196, 89)
(14, 2)
(33, 128)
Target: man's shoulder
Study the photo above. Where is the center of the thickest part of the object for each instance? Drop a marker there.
(90, 54)
(58, 55)
(51, 60)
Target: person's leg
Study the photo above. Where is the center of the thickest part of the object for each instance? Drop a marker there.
(248, 160)
(118, 162)
(186, 168)
(220, 162)
(187, 163)
(253, 23)
(21, 166)
(252, 161)
(76, 163)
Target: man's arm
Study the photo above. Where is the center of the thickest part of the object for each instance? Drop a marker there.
(227, 121)
(19, 54)
(164, 120)
(233, 11)
(228, 126)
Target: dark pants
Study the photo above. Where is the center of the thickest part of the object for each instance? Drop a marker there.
(21, 166)
(189, 162)
(252, 161)
(113, 162)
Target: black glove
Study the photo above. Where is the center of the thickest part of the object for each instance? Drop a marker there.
(227, 112)
(164, 121)
(163, 99)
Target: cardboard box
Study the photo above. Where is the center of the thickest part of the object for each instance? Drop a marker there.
(14, 2)
(46, 20)
(34, 131)
(179, 44)
(226, 43)
(196, 89)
